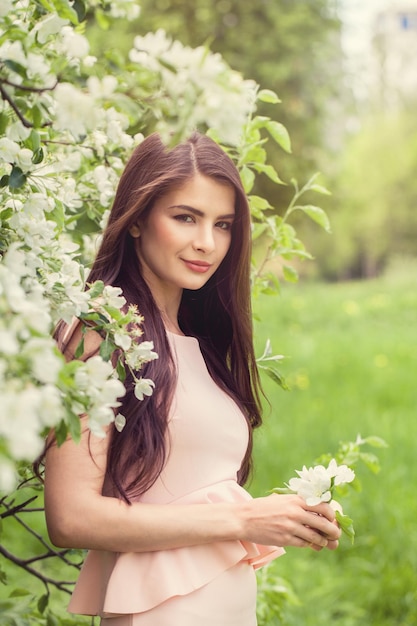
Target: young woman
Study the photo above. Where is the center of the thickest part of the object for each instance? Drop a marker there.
(173, 537)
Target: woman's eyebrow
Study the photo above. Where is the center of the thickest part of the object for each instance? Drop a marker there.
(191, 209)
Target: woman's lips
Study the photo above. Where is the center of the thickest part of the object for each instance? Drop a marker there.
(197, 266)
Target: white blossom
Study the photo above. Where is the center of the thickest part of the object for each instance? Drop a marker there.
(315, 484)
(341, 474)
(140, 353)
(8, 474)
(45, 363)
(112, 296)
(125, 8)
(51, 410)
(89, 60)
(38, 67)
(75, 111)
(18, 132)
(98, 417)
(21, 427)
(102, 88)
(122, 340)
(51, 24)
(144, 387)
(13, 51)
(24, 159)
(120, 422)
(73, 44)
(106, 181)
(8, 150)
(8, 343)
(5, 8)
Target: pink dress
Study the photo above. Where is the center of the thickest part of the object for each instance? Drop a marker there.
(208, 585)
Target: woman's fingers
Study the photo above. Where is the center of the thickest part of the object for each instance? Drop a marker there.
(286, 520)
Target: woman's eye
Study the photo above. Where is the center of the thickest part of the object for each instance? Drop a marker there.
(188, 219)
(224, 225)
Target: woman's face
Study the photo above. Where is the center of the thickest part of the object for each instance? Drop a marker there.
(186, 236)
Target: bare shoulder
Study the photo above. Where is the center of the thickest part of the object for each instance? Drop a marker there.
(71, 336)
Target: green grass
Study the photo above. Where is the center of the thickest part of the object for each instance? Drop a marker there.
(350, 364)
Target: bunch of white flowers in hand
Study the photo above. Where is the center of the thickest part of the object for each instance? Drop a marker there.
(319, 483)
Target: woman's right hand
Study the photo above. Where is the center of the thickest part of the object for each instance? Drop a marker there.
(287, 520)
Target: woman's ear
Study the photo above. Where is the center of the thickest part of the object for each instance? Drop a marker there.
(134, 231)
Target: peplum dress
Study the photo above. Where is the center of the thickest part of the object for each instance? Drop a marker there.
(209, 585)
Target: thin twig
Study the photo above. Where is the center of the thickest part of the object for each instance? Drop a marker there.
(61, 554)
(21, 117)
(16, 508)
(59, 584)
(30, 89)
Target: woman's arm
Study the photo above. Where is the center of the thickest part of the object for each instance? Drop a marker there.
(79, 516)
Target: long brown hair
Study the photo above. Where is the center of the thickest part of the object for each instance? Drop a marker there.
(218, 314)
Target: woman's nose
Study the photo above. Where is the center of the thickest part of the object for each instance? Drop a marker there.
(204, 240)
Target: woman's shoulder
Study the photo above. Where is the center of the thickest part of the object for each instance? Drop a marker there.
(75, 334)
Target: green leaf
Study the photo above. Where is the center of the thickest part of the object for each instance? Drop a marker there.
(4, 122)
(290, 274)
(371, 461)
(74, 428)
(61, 432)
(248, 178)
(258, 230)
(280, 134)
(346, 525)
(19, 592)
(43, 603)
(36, 116)
(269, 171)
(15, 67)
(79, 8)
(269, 96)
(114, 312)
(376, 442)
(37, 156)
(96, 289)
(3, 577)
(51, 620)
(320, 189)
(107, 347)
(102, 19)
(35, 140)
(79, 351)
(4, 180)
(65, 10)
(255, 154)
(120, 369)
(17, 178)
(256, 202)
(275, 375)
(317, 215)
